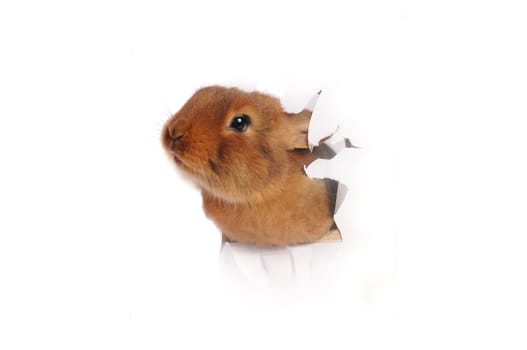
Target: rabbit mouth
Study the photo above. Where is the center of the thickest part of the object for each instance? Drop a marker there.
(177, 160)
(180, 163)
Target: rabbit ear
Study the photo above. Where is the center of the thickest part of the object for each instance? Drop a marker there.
(295, 130)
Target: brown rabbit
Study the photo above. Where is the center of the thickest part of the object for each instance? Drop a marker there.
(247, 156)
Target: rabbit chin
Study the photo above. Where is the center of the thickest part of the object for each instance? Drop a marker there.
(216, 187)
(234, 188)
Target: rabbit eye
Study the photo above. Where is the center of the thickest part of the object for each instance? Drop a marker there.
(240, 122)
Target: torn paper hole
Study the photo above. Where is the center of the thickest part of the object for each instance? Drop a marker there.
(251, 161)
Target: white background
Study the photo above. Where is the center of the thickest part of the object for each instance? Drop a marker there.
(103, 246)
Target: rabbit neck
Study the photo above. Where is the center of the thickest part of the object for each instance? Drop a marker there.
(297, 214)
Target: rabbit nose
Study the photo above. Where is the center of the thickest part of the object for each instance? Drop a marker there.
(173, 141)
(173, 138)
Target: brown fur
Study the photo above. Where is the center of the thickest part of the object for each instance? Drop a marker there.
(253, 183)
